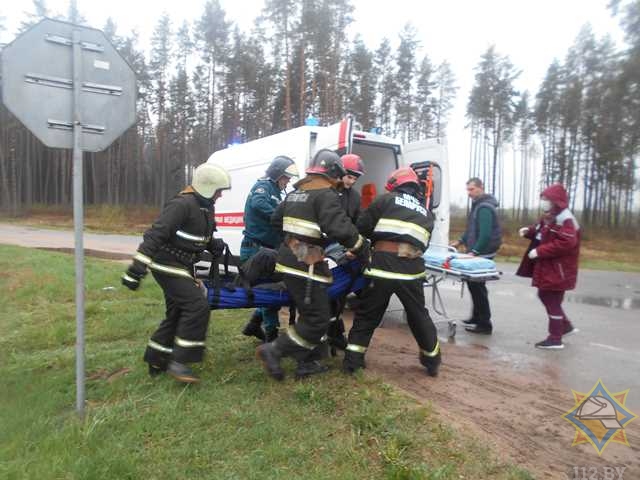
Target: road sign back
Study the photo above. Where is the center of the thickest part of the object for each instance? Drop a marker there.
(37, 85)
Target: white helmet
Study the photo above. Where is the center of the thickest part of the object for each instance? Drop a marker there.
(209, 178)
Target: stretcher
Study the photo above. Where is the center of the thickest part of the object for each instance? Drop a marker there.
(228, 292)
(445, 263)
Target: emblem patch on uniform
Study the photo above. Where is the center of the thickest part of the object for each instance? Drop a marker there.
(259, 190)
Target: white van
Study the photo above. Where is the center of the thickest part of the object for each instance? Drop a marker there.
(247, 162)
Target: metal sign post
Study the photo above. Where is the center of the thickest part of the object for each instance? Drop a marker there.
(70, 87)
(78, 224)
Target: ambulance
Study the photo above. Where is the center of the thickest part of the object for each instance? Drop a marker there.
(380, 154)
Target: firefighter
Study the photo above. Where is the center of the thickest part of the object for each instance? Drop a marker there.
(261, 202)
(170, 248)
(349, 196)
(311, 217)
(350, 199)
(399, 227)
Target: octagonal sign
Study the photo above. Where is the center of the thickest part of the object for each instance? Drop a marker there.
(37, 85)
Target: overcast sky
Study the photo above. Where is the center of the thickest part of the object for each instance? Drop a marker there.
(531, 32)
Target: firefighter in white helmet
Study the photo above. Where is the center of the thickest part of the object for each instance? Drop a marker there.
(170, 249)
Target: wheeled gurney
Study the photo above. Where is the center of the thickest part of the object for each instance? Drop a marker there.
(442, 263)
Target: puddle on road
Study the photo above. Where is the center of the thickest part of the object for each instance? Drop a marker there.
(621, 303)
(626, 303)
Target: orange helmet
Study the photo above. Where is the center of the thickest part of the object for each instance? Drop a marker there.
(352, 163)
(402, 176)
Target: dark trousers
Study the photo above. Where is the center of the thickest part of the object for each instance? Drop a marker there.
(182, 333)
(558, 321)
(374, 302)
(270, 320)
(313, 320)
(481, 313)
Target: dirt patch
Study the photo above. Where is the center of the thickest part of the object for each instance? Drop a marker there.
(513, 407)
(91, 253)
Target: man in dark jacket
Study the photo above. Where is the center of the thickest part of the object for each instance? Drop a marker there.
(311, 218)
(399, 227)
(170, 249)
(261, 202)
(482, 237)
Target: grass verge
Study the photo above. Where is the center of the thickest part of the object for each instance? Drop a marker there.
(236, 425)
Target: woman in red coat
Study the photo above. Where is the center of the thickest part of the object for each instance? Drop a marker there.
(552, 260)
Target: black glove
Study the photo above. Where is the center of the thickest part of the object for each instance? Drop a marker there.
(216, 247)
(363, 253)
(134, 274)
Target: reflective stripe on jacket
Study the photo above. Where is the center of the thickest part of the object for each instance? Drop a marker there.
(396, 217)
(312, 214)
(183, 230)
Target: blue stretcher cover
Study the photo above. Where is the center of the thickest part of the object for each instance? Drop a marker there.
(443, 259)
(346, 278)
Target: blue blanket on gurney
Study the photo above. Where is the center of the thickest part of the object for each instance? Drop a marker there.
(346, 278)
(448, 260)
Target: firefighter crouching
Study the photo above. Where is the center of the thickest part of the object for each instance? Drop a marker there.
(170, 249)
(311, 217)
(399, 227)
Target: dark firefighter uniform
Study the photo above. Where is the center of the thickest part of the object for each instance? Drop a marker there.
(399, 228)
(350, 200)
(170, 249)
(311, 217)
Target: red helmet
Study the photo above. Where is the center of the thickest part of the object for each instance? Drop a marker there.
(352, 163)
(402, 176)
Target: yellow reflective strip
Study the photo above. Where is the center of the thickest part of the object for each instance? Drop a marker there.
(141, 257)
(180, 272)
(181, 342)
(188, 236)
(157, 346)
(358, 243)
(352, 347)
(301, 227)
(390, 225)
(434, 352)
(375, 272)
(298, 340)
(127, 277)
(302, 273)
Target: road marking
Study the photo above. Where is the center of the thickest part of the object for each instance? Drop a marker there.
(608, 347)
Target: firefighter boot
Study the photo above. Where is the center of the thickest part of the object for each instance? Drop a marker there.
(182, 373)
(308, 368)
(155, 370)
(271, 335)
(431, 363)
(269, 355)
(352, 362)
(253, 328)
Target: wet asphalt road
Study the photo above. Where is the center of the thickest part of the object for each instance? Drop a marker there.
(605, 307)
